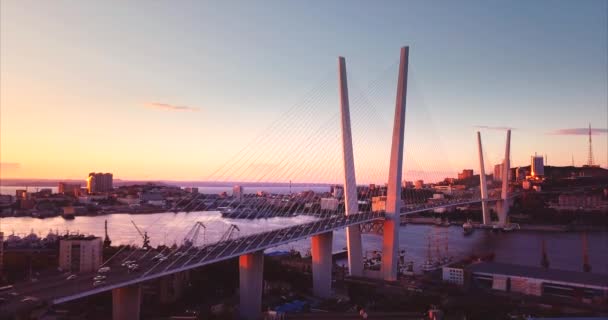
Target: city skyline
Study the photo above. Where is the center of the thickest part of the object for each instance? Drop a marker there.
(133, 94)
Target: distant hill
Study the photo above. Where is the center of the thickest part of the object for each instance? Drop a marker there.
(570, 171)
(118, 182)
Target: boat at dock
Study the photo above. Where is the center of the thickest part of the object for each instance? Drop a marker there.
(436, 259)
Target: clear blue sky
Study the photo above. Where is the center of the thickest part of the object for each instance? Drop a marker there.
(105, 77)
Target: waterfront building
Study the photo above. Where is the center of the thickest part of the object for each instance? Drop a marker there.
(583, 286)
(329, 204)
(152, 198)
(99, 182)
(237, 192)
(453, 275)
(79, 253)
(465, 174)
(69, 188)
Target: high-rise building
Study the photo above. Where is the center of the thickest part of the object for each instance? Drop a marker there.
(69, 188)
(466, 174)
(79, 253)
(99, 182)
(237, 192)
(537, 166)
(408, 184)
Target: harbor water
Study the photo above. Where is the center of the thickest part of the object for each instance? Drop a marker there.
(564, 249)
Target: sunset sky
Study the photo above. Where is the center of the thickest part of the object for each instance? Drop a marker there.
(174, 90)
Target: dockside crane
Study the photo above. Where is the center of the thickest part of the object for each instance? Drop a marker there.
(144, 235)
(192, 235)
(229, 233)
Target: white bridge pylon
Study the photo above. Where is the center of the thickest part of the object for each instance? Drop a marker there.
(390, 243)
(502, 205)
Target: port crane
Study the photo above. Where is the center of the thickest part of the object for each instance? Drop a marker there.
(229, 233)
(144, 235)
(192, 235)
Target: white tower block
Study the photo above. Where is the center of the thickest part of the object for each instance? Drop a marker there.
(353, 234)
(390, 243)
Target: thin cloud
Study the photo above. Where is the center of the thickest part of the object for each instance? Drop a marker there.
(10, 165)
(578, 131)
(494, 128)
(169, 107)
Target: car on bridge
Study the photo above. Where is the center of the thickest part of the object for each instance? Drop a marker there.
(104, 270)
(133, 267)
(99, 278)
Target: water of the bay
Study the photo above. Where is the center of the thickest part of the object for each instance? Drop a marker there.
(520, 247)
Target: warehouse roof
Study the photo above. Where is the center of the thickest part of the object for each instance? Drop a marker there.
(575, 277)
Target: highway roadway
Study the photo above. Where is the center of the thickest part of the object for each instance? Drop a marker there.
(56, 288)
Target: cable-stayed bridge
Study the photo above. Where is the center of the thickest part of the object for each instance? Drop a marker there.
(153, 263)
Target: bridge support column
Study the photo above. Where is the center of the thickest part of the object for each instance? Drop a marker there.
(503, 207)
(126, 302)
(322, 264)
(251, 276)
(353, 234)
(483, 187)
(390, 241)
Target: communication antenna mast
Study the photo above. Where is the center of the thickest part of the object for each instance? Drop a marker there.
(590, 156)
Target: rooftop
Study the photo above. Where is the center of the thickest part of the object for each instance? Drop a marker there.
(586, 278)
(78, 237)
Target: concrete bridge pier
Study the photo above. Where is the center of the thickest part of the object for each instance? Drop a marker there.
(322, 264)
(126, 302)
(171, 287)
(251, 276)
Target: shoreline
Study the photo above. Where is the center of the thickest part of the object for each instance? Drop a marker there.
(523, 227)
